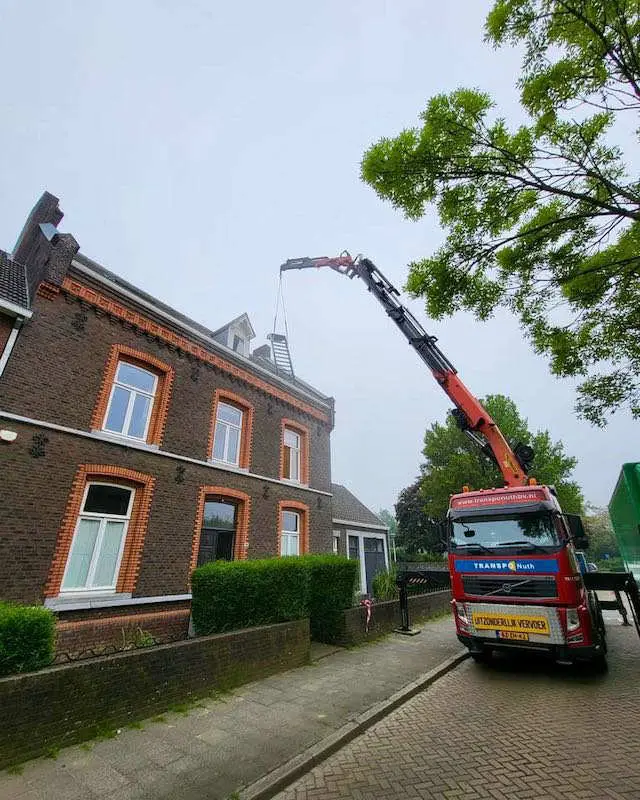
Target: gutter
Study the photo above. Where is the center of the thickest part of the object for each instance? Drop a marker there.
(14, 309)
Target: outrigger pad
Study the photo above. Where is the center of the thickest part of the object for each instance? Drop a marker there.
(410, 632)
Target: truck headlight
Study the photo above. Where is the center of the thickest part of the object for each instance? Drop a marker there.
(461, 611)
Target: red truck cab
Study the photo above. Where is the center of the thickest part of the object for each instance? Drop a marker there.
(515, 580)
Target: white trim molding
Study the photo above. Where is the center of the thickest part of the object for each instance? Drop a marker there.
(360, 525)
(132, 444)
(15, 309)
(13, 336)
(81, 602)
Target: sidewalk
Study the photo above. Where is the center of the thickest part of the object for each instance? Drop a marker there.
(222, 745)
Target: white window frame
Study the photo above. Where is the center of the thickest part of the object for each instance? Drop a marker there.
(242, 343)
(104, 518)
(290, 534)
(133, 392)
(336, 542)
(225, 456)
(362, 534)
(293, 453)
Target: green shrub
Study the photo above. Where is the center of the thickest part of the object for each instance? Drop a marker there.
(332, 581)
(229, 595)
(384, 585)
(27, 638)
(611, 564)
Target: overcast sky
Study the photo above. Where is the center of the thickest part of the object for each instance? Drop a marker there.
(195, 145)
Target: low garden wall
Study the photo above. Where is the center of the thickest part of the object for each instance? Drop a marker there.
(385, 617)
(63, 705)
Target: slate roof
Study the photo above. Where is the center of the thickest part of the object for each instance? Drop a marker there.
(347, 506)
(13, 281)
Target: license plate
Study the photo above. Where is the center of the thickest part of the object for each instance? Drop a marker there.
(521, 637)
(510, 623)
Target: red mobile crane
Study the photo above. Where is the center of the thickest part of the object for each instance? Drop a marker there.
(515, 579)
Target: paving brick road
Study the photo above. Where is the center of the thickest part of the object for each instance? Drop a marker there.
(516, 730)
(222, 745)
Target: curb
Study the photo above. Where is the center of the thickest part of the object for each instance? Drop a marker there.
(281, 777)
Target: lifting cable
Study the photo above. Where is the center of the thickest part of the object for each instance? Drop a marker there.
(280, 302)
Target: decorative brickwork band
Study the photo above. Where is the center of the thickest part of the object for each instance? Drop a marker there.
(246, 434)
(243, 513)
(160, 410)
(303, 511)
(99, 300)
(48, 290)
(130, 564)
(303, 433)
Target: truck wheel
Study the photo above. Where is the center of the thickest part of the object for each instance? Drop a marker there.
(599, 663)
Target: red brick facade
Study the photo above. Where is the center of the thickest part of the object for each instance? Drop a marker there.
(60, 374)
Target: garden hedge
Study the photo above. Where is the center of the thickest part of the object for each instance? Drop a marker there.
(228, 595)
(27, 638)
(332, 582)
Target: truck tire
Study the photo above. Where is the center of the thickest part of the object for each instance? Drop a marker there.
(599, 663)
(599, 620)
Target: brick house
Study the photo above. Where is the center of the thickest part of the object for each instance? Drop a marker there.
(359, 533)
(135, 444)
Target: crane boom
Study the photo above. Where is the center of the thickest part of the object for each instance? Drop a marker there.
(470, 414)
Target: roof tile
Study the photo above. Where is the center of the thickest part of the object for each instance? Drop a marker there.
(13, 281)
(347, 506)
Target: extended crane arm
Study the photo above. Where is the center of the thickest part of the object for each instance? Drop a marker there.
(470, 414)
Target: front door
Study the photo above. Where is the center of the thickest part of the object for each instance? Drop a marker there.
(218, 534)
(374, 561)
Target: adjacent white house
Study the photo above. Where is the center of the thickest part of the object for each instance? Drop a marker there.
(359, 533)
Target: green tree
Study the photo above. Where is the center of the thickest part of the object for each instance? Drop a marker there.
(389, 520)
(417, 532)
(602, 540)
(544, 218)
(452, 461)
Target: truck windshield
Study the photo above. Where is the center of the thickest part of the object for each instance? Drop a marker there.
(527, 532)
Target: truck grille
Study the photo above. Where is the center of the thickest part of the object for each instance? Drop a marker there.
(496, 585)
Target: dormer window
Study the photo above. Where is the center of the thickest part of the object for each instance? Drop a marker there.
(239, 345)
(236, 335)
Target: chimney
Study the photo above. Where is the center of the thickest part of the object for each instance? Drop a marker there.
(45, 253)
(263, 352)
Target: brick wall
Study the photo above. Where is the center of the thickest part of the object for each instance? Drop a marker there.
(63, 705)
(82, 631)
(75, 341)
(36, 490)
(385, 616)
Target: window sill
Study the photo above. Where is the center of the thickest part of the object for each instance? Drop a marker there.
(226, 465)
(120, 439)
(79, 602)
(291, 482)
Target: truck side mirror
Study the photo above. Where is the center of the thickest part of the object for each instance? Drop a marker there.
(577, 531)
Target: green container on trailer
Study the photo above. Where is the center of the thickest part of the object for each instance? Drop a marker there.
(624, 511)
